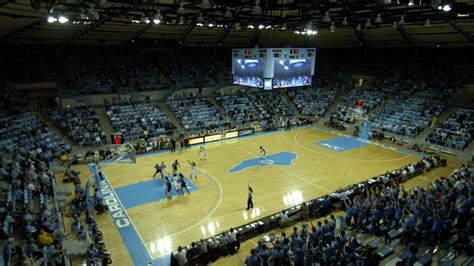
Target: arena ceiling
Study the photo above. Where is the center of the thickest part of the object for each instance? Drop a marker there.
(243, 23)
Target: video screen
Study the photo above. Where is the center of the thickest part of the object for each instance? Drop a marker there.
(248, 72)
(292, 73)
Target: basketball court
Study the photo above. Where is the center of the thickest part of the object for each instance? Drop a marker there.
(301, 164)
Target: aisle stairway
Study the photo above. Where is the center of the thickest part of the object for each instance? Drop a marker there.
(162, 104)
(221, 110)
(104, 121)
(292, 104)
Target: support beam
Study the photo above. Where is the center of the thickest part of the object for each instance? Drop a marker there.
(138, 33)
(255, 38)
(96, 24)
(188, 30)
(461, 30)
(229, 28)
(406, 36)
(18, 30)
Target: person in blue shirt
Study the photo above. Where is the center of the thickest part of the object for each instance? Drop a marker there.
(264, 255)
(252, 260)
(299, 255)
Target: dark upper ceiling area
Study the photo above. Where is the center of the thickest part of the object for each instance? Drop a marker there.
(245, 23)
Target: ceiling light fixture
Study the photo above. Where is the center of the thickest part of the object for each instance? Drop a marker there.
(257, 10)
(228, 13)
(344, 22)
(181, 10)
(327, 17)
(427, 23)
(378, 19)
(62, 19)
(332, 28)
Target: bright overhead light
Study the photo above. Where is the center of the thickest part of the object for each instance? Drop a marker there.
(261, 26)
(411, 3)
(62, 19)
(428, 23)
(147, 21)
(51, 19)
(378, 19)
(205, 4)
(297, 32)
(181, 21)
(327, 17)
(210, 24)
(402, 20)
(268, 27)
(283, 27)
(257, 10)
(447, 7)
(251, 26)
(344, 22)
(228, 13)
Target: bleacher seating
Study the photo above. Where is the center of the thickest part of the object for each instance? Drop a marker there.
(312, 101)
(138, 118)
(24, 132)
(456, 131)
(87, 73)
(196, 113)
(80, 124)
(371, 98)
(408, 115)
(140, 72)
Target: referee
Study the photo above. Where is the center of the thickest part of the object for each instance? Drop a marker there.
(249, 199)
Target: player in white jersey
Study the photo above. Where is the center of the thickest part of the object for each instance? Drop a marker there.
(202, 154)
(263, 154)
(164, 171)
(193, 170)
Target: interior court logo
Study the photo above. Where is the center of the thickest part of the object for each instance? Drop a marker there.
(332, 147)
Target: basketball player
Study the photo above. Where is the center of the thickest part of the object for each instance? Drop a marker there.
(164, 171)
(175, 166)
(202, 154)
(263, 154)
(158, 170)
(168, 188)
(249, 199)
(177, 184)
(183, 184)
(193, 170)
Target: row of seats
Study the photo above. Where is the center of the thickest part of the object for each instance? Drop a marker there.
(26, 133)
(139, 119)
(408, 114)
(312, 101)
(195, 112)
(28, 212)
(456, 131)
(81, 124)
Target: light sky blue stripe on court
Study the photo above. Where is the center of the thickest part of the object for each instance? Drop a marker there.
(281, 158)
(135, 246)
(145, 192)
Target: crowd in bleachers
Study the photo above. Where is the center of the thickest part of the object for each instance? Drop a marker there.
(456, 131)
(409, 114)
(87, 73)
(26, 133)
(27, 66)
(140, 72)
(81, 124)
(138, 117)
(312, 101)
(371, 98)
(28, 211)
(196, 113)
(258, 109)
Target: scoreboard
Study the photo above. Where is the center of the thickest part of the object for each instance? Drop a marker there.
(273, 67)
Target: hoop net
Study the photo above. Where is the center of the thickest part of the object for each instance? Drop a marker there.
(124, 153)
(357, 113)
